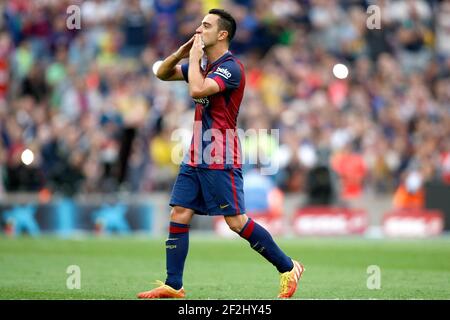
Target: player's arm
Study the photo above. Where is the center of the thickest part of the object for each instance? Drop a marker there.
(170, 70)
(199, 87)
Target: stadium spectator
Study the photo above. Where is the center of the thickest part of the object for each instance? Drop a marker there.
(351, 169)
(410, 193)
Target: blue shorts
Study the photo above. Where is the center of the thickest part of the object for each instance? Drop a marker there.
(209, 192)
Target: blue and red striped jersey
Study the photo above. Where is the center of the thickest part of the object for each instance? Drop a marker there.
(215, 142)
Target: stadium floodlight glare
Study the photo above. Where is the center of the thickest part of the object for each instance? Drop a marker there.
(340, 71)
(27, 157)
(156, 66)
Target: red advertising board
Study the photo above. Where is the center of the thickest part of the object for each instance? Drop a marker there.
(416, 223)
(329, 221)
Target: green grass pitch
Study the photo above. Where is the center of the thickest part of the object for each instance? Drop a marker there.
(119, 267)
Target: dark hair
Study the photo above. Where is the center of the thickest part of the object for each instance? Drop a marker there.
(226, 22)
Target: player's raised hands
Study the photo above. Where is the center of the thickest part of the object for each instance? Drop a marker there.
(183, 51)
(196, 52)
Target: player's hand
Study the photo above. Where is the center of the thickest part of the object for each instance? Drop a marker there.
(183, 51)
(196, 52)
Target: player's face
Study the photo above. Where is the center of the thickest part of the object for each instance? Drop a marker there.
(209, 30)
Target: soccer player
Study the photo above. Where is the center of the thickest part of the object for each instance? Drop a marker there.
(210, 178)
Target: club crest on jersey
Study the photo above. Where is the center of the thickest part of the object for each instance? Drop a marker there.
(223, 72)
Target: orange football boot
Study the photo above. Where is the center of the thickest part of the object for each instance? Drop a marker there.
(289, 280)
(162, 292)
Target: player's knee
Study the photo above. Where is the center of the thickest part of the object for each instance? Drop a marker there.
(236, 223)
(235, 228)
(181, 215)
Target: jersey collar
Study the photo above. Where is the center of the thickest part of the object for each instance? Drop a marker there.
(222, 58)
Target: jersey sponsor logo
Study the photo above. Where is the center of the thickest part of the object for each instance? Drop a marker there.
(203, 101)
(223, 72)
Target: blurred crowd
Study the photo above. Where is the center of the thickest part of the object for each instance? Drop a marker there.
(87, 104)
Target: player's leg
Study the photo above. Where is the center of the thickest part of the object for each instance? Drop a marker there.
(186, 199)
(177, 245)
(223, 192)
(260, 240)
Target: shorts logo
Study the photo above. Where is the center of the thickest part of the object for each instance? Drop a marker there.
(223, 72)
(224, 206)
